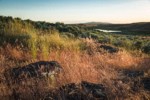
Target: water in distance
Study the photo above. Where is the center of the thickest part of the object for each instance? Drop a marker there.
(109, 31)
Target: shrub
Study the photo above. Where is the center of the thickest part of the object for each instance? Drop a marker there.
(146, 49)
(138, 45)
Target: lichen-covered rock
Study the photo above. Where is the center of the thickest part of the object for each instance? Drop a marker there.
(34, 70)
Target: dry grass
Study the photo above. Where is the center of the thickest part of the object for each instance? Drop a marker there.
(97, 67)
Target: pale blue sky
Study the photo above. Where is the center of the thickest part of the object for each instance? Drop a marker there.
(76, 11)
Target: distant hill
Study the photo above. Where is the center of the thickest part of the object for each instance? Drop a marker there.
(97, 23)
(133, 27)
(92, 24)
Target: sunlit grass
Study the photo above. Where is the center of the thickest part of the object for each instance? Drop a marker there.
(49, 42)
(81, 59)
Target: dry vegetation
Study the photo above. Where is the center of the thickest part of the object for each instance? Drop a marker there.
(81, 59)
(96, 67)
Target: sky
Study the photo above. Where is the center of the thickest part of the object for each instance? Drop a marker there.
(78, 11)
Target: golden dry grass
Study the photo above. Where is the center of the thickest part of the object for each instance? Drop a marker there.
(98, 67)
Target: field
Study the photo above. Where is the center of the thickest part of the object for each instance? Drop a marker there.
(119, 62)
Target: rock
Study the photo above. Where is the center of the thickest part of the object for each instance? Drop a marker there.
(109, 49)
(146, 83)
(34, 70)
(138, 79)
(95, 89)
(142, 83)
(133, 74)
(67, 92)
(81, 91)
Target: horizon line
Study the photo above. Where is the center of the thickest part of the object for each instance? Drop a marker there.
(78, 22)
